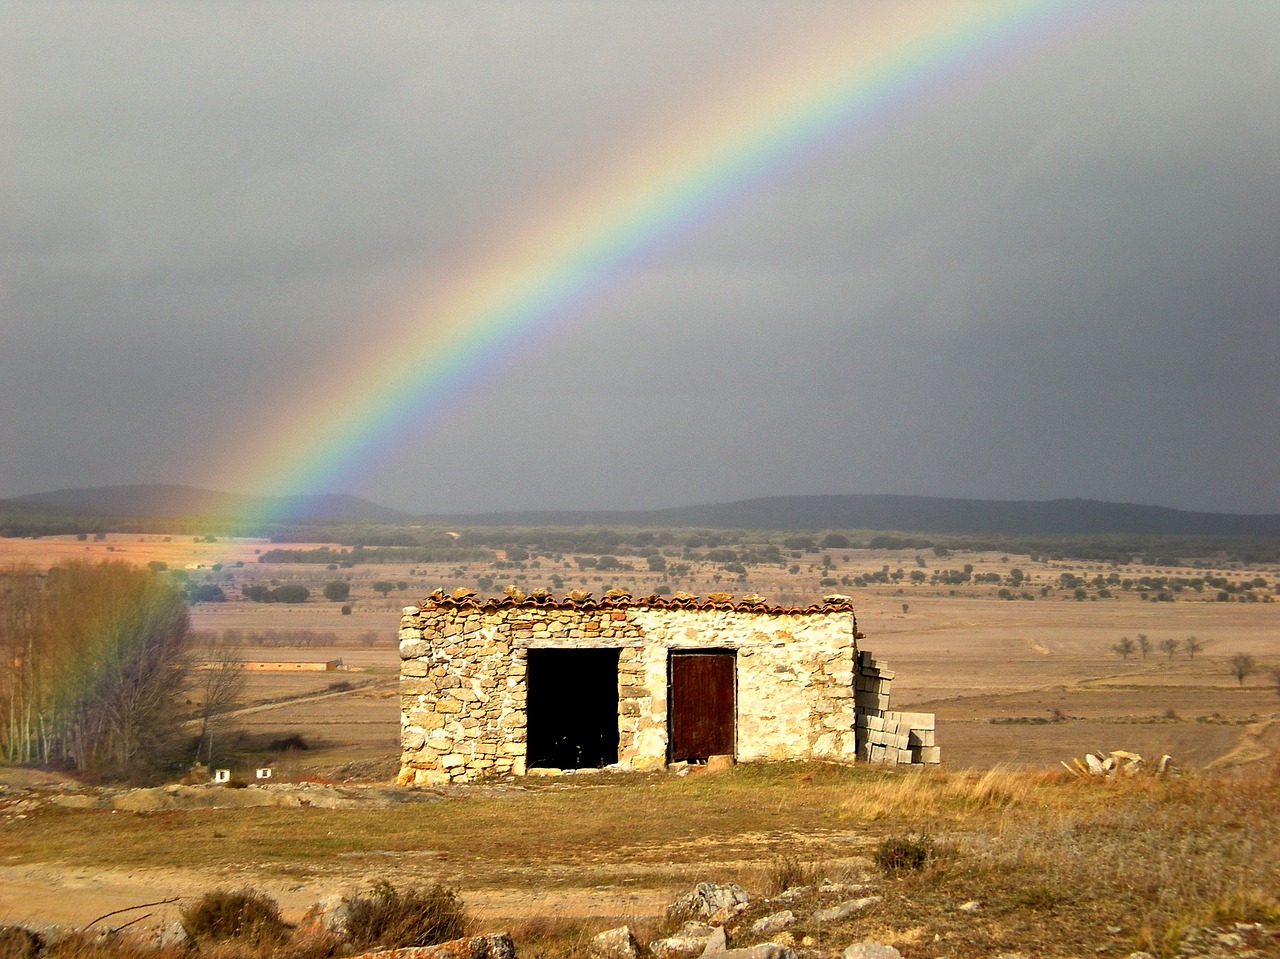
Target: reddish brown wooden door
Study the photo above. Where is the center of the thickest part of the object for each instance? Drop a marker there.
(702, 709)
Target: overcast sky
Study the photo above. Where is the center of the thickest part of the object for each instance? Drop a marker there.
(1055, 274)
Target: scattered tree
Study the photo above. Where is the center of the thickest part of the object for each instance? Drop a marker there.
(1144, 644)
(1169, 647)
(1125, 647)
(337, 591)
(1242, 666)
(1192, 646)
(383, 587)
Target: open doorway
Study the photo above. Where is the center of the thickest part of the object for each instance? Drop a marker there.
(572, 708)
(703, 705)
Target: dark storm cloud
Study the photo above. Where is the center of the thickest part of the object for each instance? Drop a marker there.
(1053, 277)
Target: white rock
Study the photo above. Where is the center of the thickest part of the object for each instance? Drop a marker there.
(844, 910)
(617, 943)
(871, 950)
(773, 922)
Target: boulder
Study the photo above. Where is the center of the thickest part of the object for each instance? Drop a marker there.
(617, 943)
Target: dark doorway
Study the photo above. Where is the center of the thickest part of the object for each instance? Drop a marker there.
(573, 708)
(702, 717)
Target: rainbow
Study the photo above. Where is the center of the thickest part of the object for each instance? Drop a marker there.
(859, 68)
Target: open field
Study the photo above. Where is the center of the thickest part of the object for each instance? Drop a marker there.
(1019, 684)
(1023, 682)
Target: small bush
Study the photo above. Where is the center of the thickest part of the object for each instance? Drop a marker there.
(898, 853)
(391, 919)
(284, 745)
(235, 914)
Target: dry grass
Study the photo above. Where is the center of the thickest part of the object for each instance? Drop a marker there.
(1055, 861)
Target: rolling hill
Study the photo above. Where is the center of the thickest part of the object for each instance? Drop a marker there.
(852, 511)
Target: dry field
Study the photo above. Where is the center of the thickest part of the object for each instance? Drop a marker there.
(1017, 685)
(1021, 683)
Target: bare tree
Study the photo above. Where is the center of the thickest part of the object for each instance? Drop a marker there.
(1144, 644)
(95, 658)
(1125, 647)
(222, 681)
(1192, 646)
(1169, 647)
(1242, 666)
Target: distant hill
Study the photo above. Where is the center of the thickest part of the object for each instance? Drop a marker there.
(923, 514)
(167, 501)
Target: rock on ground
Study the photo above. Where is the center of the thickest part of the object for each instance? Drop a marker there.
(871, 950)
(773, 922)
(617, 943)
(709, 899)
(843, 910)
(497, 946)
(691, 941)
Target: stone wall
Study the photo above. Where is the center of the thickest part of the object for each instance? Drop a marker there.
(464, 688)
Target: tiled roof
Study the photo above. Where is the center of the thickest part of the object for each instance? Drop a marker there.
(463, 598)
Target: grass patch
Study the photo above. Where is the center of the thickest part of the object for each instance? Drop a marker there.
(789, 870)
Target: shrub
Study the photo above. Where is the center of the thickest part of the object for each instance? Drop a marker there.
(390, 918)
(293, 741)
(898, 853)
(234, 914)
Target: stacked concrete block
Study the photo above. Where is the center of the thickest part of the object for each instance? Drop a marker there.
(883, 735)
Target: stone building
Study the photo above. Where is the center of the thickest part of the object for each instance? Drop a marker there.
(499, 687)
